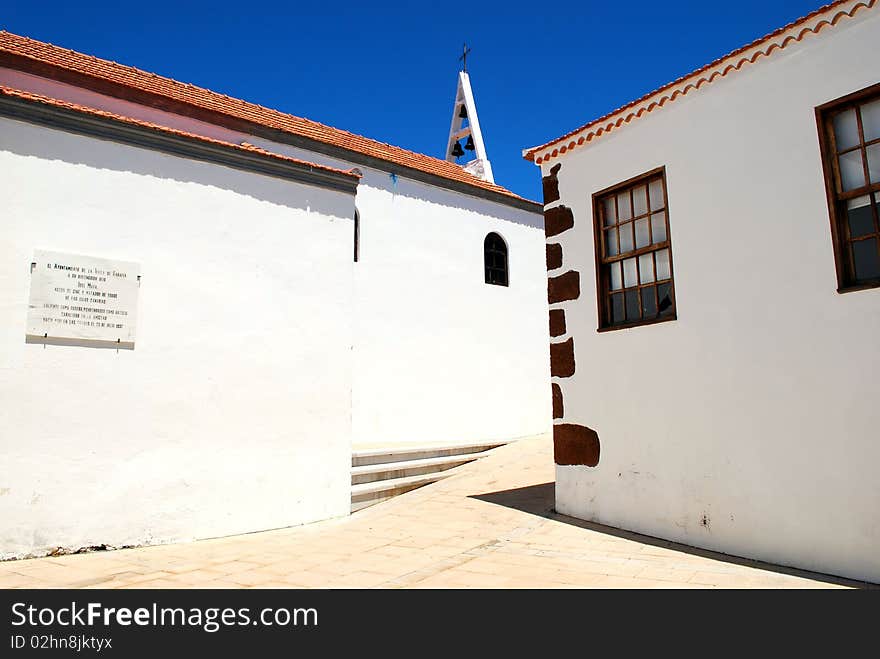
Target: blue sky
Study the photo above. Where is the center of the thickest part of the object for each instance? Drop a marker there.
(388, 70)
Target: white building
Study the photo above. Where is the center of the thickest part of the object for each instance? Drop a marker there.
(283, 306)
(713, 275)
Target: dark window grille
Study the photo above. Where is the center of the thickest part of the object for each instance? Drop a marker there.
(849, 130)
(495, 259)
(634, 253)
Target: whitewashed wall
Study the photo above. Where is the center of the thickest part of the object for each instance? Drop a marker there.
(232, 413)
(439, 355)
(750, 424)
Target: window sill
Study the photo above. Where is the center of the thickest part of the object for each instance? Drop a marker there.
(858, 287)
(641, 323)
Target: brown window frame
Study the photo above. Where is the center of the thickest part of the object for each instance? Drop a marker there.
(603, 288)
(841, 242)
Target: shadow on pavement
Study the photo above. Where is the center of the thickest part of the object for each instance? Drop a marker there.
(539, 500)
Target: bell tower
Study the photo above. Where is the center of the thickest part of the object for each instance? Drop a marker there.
(466, 124)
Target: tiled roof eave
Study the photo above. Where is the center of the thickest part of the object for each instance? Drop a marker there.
(826, 16)
(64, 115)
(161, 90)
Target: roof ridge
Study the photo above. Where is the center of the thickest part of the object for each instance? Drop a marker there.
(127, 75)
(153, 74)
(530, 153)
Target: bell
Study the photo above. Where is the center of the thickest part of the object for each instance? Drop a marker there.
(469, 145)
(457, 150)
(463, 112)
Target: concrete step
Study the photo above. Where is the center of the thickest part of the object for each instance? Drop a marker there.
(368, 494)
(409, 453)
(404, 468)
(380, 474)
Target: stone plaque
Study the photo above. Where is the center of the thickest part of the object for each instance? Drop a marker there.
(83, 298)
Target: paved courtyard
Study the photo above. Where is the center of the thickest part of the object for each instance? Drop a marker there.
(490, 525)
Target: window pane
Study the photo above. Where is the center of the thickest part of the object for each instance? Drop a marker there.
(851, 173)
(632, 305)
(846, 130)
(664, 297)
(617, 315)
(626, 238)
(640, 201)
(871, 120)
(646, 268)
(649, 305)
(858, 213)
(663, 271)
(658, 226)
(624, 208)
(499, 277)
(616, 278)
(643, 236)
(629, 272)
(630, 286)
(874, 163)
(610, 217)
(866, 259)
(611, 242)
(655, 193)
(495, 259)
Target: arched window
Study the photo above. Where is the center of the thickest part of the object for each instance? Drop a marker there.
(495, 259)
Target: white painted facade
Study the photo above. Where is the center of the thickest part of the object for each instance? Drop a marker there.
(748, 425)
(232, 412)
(439, 355)
(263, 352)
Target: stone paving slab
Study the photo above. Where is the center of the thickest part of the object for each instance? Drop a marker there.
(490, 525)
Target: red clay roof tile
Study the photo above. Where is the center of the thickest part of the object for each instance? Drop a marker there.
(244, 146)
(198, 97)
(812, 23)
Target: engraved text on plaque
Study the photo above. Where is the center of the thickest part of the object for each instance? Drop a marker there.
(83, 297)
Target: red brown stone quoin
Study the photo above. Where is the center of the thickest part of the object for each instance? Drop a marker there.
(557, 322)
(558, 407)
(554, 256)
(562, 359)
(564, 287)
(551, 185)
(557, 220)
(575, 445)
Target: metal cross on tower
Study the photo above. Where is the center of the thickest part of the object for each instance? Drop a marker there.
(463, 59)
